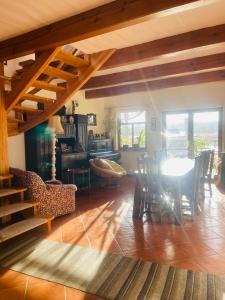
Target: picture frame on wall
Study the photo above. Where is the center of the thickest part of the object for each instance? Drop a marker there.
(92, 120)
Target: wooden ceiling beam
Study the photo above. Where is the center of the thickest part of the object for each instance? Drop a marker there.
(201, 38)
(156, 84)
(165, 70)
(109, 17)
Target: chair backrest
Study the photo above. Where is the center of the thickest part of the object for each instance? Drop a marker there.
(35, 185)
(141, 176)
(151, 165)
(30, 180)
(198, 169)
(153, 175)
(205, 161)
(211, 163)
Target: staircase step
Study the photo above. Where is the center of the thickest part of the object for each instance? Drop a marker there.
(71, 59)
(6, 177)
(26, 63)
(12, 126)
(13, 132)
(37, 98)
(5, 79)
(11, 191)
(19, 73)
(7, 210)
(54, 72)
(47, 86)
(15, 120)
(27, 109)
(21, 227)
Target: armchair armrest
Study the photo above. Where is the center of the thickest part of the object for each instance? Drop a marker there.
(57, 187)
(57, 200)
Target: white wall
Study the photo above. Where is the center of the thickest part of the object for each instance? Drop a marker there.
(16, 147)
(211, 95)
(89, 106)
(16, 150)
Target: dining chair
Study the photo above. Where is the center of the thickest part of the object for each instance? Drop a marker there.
(153, 195)
(142, 185)
(196, 199)
(207, 168)
(191, 189)
(208, 175)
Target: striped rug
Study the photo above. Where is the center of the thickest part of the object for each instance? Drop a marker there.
(108, 275)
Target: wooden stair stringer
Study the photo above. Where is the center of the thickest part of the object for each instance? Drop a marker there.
(29, 76)
(73, 85)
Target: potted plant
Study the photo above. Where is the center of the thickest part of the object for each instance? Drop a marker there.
(141, 139)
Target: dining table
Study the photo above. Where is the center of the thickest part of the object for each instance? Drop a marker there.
(174, 172)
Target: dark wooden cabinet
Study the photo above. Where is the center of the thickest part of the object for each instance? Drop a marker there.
(81, 122)
(97, 145)
(66, 161)
(38, 147)
(77, 130)
(38, 151)
(69, 131)
(102, 148)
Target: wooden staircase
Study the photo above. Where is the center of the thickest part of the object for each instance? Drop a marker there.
(12, 202)
(55, 73)
(38, 90)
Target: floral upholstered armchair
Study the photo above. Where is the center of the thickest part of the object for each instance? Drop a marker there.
(55, 200)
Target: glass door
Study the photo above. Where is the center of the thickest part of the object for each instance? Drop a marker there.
(206, 131)
(188, 133)
(176, 135)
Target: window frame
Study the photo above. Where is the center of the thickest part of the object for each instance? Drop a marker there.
(190, 113)
(132, 131)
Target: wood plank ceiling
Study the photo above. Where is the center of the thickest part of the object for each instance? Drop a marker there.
(160, 44)
(187, 58)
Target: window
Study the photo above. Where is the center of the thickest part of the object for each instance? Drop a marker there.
(132, 131)
(188, 133)
(177, 135)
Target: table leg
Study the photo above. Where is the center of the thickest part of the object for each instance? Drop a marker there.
(137, 201)
(177, 204)
(89, 178)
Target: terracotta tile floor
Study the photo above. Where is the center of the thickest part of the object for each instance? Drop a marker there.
(103, 220)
